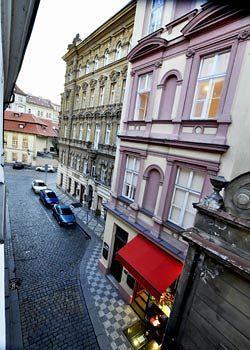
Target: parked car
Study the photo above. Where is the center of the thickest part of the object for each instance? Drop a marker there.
(18, 165)
(50, 168)
(64, 215)
(48, 198)
(38, 185)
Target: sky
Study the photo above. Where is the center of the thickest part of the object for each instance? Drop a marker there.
(56, 24)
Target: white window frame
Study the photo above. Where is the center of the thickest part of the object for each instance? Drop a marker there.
(107, 134)
(88, 133)
(118, 51)
(78, 160)
(85, 167)
(87, 69)
(65, 131)
(146, 90)
(106, 57)
(96, 63)
(101, 95)
(97, 137)
(92, 98)
(155, 16)
(211, 78)
(74, 132)
(112, 93)
(103, 173)
(187, 191)
(80, 132)
(84, 99)
(133, 173)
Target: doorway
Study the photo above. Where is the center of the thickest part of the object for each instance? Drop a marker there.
(69, 184)
(121, 238)
(82, 190)
(90, 196)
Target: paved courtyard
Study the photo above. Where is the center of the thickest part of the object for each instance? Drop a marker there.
(47, 257)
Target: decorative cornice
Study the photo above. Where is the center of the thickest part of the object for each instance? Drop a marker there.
(147, 46)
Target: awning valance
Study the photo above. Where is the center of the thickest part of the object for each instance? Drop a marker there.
(152, 267)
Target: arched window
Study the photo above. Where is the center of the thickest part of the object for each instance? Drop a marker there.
(168, 84)
(118, 52)
(106, 57)
(96, 63)
(87, 67)
(153, 181)
(80, 71)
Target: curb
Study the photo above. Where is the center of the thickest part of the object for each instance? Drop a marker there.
(99, 330)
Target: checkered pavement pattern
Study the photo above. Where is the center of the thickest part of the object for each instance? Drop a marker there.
(113, 313)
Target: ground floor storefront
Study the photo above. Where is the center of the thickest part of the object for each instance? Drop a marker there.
(146, 275)
(86, 190)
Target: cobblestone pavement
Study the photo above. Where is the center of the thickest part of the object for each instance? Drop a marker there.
(112, 311)
(53, 310)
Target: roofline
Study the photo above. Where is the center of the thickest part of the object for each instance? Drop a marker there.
(101, 28)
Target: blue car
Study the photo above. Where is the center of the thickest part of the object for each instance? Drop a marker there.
(64, 215)
(48, 198)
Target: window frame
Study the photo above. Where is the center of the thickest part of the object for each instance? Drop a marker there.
(107, 134)
(133, 173)
(118, 51)
(152, 29)
(138, 92)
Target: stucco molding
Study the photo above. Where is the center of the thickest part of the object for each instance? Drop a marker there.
(114, 75)
(146, 47)
(172, 72)
(243, 35)
(85, 86)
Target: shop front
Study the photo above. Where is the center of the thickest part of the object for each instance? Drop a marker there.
(156, 273)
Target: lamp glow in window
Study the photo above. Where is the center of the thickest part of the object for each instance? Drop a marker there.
(209, 86)
(187, 190)
(143, 93)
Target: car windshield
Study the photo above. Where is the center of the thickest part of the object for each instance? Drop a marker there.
(51, 194)
(66, 211)
(39, 183)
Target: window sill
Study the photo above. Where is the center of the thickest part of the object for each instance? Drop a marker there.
(146, 212)
(173, 227)
(125, 200)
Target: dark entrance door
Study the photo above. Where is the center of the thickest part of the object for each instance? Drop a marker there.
(69, 184)
(121, 238)
(90, 197)
(82, 190)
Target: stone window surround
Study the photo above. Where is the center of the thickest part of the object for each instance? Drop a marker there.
(236, 46)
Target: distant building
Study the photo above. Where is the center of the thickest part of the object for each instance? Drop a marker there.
(40, 107)
(25, 135)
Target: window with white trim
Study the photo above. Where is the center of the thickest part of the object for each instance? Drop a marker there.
(96, 63)
(92, 97)
(84, 99)
(87, 69)
(187, 190)
(156, 15)
(85, 167)
(71, 161)
(106, 57)
(103, 173)
(78, 160)
(112, 93)
(65, 131)
(80, 132)
(107, 134)
(118, 51)
(130, 177)
(101, 96)
(97, 137)
(14, 141)
(88, 133)
(123, 89)
(25, 142)
(142, 99)
(93, 174)
(209, 87)
(74, 132)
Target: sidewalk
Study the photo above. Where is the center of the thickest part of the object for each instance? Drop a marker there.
(107, 310)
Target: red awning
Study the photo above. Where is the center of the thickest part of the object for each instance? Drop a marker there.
(152, 267)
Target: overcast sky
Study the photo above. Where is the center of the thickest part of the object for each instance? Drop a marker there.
(56, 24)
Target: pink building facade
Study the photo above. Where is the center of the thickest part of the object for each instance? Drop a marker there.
(185, 118)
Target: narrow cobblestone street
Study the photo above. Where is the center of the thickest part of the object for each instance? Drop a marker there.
(52, 307)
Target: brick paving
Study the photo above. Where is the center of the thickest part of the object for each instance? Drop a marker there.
(52, 307)
(111, 310)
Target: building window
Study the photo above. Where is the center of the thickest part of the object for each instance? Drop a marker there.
(97, 136)
(92, 96)
(130, 178)
(106, 57)
(14, 141)
(112, 93)
(65, 131)
(118, 51)
(38, 113)
(41, 113)
(85, 167)
(101, 96)
(209, 87)
(93, 169)
(25, 142)
(187, 190)
(77, 100)
(143, 92)
(123, 89)
(84, 99)
(78, 163)
(87, 70)
(107, 134)
(88, 133)
(29, 110)
(103, 173)
(74, 132)
(80, 132)
(14, 156)
(156, 15)
(80, 71)
(96, 63)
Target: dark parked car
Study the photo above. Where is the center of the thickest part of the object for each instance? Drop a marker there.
(18, 165)
(48, 198)
(64, 215)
